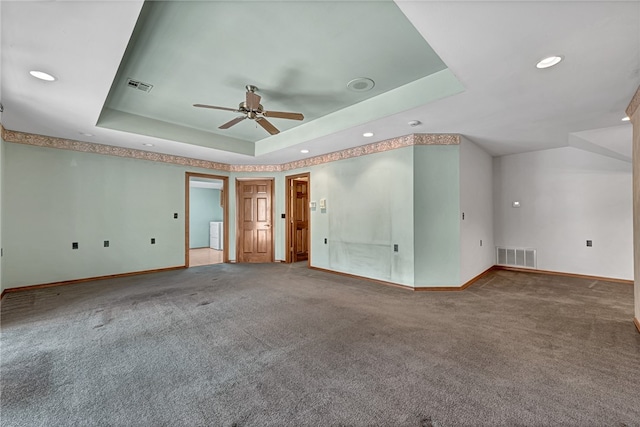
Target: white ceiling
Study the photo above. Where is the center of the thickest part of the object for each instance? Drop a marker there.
(507, 106)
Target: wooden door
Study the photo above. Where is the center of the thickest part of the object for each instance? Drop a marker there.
(300, 201)
(255, 226)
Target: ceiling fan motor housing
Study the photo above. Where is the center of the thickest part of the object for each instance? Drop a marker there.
(252, 114)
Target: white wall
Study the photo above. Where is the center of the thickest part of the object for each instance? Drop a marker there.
(476, 202)
(1, 206)
(567, 196)
(1, 169)
(635, 120)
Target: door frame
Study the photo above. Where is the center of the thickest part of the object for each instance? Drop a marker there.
(273, 222)
(224, 199)
(289, 235)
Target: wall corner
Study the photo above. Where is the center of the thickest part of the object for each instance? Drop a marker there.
(633, 112)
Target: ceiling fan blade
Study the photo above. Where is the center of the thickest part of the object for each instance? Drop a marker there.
(232, 122)
(253, 100)
(216, 108)
(266, 125)
(283, 115)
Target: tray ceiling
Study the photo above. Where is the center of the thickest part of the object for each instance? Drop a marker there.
(300, 55)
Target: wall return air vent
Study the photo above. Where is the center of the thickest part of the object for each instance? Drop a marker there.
(516, 257)
(135, 84)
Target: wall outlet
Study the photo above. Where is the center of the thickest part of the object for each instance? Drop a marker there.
(283, 216)
(74, 245)
(480, 242)
(325, 240)
(589, 243)
(153, 240)
(395, 248)
(175, 215)
(106, 243)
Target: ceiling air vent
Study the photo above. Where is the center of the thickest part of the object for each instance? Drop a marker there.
(135, 84)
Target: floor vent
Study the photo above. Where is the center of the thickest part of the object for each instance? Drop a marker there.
(516, 257)
(135, 84)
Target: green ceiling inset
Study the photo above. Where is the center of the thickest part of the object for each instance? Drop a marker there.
(300, 55)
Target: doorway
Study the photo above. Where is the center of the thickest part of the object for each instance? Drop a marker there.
(206, 212)
(298, 219)
(254, 224)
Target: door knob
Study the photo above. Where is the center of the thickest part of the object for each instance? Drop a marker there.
(267, 225)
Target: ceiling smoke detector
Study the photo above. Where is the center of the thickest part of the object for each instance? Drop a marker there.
(361, 84)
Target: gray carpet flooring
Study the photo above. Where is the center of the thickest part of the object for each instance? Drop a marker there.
(281, 345)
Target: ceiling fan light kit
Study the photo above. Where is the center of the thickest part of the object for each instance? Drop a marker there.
(251, 109)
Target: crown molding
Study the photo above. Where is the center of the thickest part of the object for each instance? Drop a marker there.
(109, 150)
(634, 104)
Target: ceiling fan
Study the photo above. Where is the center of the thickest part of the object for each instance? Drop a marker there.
(252, 109)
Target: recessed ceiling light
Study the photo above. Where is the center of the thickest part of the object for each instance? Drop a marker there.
(549, 62)
(361, 84)
(146, 144)
(42, 75)
(367, 134)
(626, 119)
(304, 151)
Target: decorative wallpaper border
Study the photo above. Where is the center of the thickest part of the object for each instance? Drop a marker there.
(634, 104)
(109, 150)
(376, 147)
(363, 150)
